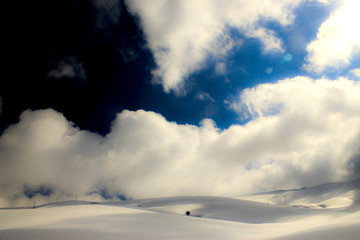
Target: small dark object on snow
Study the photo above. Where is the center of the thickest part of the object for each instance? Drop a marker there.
(187, 213)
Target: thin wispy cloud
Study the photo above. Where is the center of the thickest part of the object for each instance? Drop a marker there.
(355, 72)
(108, 12)
(69, 67)
(204, 96)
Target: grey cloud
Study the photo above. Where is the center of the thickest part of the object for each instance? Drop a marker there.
(128, 54)
(70, 67)
(354, 166)
(108, 12)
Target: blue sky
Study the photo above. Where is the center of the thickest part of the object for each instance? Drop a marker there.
(141, 91)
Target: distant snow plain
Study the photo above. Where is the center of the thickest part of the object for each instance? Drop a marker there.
(328, 211)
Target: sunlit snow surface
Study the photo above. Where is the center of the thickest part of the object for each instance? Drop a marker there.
(323, 212)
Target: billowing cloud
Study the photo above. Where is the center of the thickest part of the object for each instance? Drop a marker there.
(338, 40)
(183, 34)
(303, 132)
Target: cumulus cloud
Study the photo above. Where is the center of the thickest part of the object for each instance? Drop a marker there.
(183, 34)
(338, 40)
(70, 67)
(304, 132)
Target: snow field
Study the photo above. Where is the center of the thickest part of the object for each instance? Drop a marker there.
(164, 218)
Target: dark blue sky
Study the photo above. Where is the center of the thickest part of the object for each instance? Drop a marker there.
(116, 64)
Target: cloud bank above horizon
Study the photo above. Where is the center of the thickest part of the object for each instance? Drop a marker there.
(303, 132)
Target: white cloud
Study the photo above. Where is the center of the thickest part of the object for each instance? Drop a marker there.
(183, 34)
(271, 43)
(355, 72)
(304, 132)
(338, 40)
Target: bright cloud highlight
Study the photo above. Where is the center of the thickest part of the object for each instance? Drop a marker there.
(304, 132)
(182, 35)
(338, 40)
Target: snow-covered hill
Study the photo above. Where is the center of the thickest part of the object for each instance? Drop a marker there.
(250, 217)
(328, 195)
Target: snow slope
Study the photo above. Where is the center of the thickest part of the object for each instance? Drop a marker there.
(328, 195)
(210, 218)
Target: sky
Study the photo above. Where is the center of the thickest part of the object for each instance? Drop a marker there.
(135, 98)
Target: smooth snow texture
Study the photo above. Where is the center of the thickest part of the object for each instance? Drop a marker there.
(164, 218)
(328, 195)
